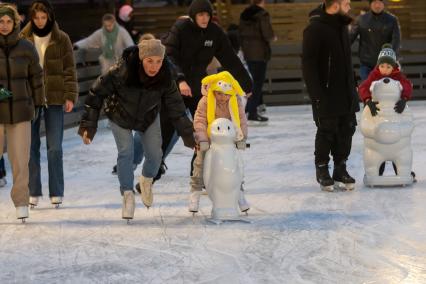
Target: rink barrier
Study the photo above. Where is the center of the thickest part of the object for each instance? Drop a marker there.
(284, 84)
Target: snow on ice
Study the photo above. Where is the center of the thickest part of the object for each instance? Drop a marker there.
(298, 234)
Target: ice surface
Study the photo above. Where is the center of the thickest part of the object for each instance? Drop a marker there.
(298, 234)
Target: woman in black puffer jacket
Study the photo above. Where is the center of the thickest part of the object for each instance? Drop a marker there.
(132, 94)
(21, 78)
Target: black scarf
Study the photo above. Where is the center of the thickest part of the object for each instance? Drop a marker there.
(44, 31)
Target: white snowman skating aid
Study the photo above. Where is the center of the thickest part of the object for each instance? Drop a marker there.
(387, 136)
(223, 171)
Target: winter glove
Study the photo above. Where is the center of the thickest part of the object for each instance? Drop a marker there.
(373, 107)
(188, 140)
(204, 146)
(90, 132)
(400, 106)
(241, 145)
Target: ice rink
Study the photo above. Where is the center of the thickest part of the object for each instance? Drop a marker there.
(298, 234)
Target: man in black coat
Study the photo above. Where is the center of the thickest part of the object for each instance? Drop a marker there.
(374, 29)
(328, 73)
(191, 45)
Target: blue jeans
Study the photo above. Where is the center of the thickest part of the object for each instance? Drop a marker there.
(151, 143)
(364, 71)
(54, 122)
(258, 73)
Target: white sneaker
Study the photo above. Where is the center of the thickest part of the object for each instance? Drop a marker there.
(33, 201)
(242, 202)
(128, 210)
(22, 212)
(194, 201)
(3, 181)
(146, 190)
(56, 200)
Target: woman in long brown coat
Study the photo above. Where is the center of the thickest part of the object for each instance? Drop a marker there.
(21, 87)
(56, 57)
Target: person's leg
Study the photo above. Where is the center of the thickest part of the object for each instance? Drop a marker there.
(342, 150)
(124, 141)
(18, 150)
(258, 72)
(364, 71)
(138, 149)
(151, 141)
(54, 121)
(34, 163)
(324, 141)
(196, 181)
(2, 171)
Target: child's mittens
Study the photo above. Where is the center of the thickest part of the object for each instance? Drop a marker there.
(241, 144)
(204, 146)
(400, 106)
(373, 107)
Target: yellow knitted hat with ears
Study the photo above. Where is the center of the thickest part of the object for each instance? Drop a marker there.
(223, 82)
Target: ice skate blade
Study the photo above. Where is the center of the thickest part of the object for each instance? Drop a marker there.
(344, 186)
(257, 123)
(56, 205)
(219, 221)
(23, 220)
(327, 188)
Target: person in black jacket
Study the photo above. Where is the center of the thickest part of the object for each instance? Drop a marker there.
(191, 45)
(374, 28)
(328, 73)
(132, 93)
(256, 33)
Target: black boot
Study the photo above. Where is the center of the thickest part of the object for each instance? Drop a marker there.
(341, 176)
(324, 178)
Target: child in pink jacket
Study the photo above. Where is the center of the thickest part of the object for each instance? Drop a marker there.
(222, 98)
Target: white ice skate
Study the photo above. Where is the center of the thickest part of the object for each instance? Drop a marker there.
(146, 191)
(128, 209)
(33, 201)
(22, 213)
(56, 201)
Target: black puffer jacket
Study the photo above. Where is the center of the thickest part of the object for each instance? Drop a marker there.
(374, 30)
(256, 33)
(191, 49)
(21, 73)
(133, 100)
(327, 65)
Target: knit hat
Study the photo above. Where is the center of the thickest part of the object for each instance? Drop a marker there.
(198, 6)
(151, 47)
(387, 55)
(223, 82)
(124, 13)
(6, 9)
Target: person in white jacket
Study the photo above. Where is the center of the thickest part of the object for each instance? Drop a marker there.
(111, 38)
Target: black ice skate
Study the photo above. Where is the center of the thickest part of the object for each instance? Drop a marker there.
(324, 178)
(341, 177)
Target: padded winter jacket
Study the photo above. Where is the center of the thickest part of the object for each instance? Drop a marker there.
(256, 33)
(364, 88)
(21, 73)
(374, 30)
(222, 111)
(191, 49)
(59, 70)
(327, 65)
(133, 100)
